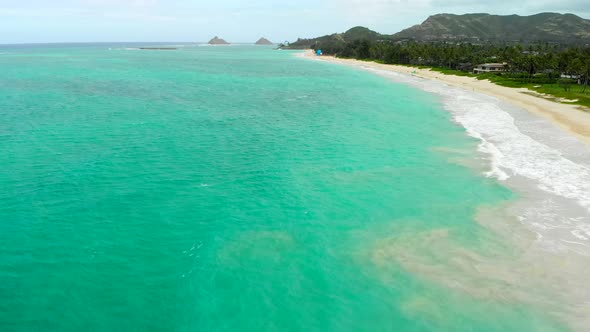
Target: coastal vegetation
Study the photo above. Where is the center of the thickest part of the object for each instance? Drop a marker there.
(543, 27)
(559, 69)
(552, 28)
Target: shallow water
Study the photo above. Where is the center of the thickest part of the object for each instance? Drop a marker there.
(548, 227)
(241, 188)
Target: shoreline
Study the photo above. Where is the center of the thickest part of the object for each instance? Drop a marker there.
(543, 157)
(538, 148)
(572, 118)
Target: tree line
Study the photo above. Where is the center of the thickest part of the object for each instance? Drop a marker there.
(542, 63)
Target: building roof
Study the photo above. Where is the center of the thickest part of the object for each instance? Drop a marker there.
(492, 64)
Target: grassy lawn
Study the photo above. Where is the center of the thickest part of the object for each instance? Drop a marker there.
(553, 89)
(453, 72)
(574, 93)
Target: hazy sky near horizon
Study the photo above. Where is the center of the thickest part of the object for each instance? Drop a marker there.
(33, 21)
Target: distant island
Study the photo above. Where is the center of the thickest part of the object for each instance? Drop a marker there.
(264, 41)
(217, 41)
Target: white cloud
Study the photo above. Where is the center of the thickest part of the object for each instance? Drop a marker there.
(390, 16)
(239, 19)
(394, 7)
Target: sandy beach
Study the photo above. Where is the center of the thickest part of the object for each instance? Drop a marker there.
(539, 148)
(575, 119)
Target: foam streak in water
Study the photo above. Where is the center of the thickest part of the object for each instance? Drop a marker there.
(512, 151)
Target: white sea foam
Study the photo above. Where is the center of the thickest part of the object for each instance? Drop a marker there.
(517, 153)
(512, 152)
(217, 45)
(491, 150)
(560, 217)
(125, 49)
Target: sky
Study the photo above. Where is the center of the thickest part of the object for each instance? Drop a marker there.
(41, 21)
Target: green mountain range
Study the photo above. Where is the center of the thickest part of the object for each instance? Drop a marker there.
(544, 27)
(477, 28)
(354, 34)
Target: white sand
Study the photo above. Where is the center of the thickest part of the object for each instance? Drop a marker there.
(574, 119)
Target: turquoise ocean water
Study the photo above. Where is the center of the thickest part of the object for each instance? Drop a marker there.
(233, 189)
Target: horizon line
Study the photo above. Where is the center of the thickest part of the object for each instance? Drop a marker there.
(121, 42)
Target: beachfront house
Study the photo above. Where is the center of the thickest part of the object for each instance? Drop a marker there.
(577, 78)
(490, 68)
